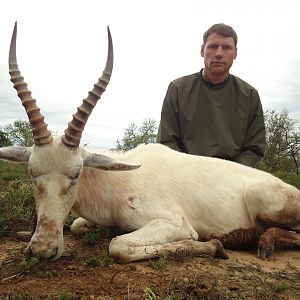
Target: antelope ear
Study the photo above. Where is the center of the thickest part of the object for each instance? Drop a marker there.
(104, 162)
(15, 154)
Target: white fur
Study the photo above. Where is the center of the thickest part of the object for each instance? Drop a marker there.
(172, 197)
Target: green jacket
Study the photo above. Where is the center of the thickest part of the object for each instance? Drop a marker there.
(223, 120)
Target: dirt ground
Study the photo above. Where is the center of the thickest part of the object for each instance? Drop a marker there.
(78, 275)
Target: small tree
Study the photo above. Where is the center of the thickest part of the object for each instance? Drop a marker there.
(282, 142)
(19, 133)
(4, 141)
(134, 136)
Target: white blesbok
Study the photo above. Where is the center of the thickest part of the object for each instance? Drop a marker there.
(165, 200)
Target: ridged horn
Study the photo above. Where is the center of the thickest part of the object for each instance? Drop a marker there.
(41, 135)
(73, 133)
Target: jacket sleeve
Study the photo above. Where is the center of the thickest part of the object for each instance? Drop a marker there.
(254, 145)
(169, 130)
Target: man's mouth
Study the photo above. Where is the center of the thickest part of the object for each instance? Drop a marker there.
(218, 63)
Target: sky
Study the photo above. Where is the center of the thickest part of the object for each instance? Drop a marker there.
(62, 49)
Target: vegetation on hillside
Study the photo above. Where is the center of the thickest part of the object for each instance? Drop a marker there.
(134, 135)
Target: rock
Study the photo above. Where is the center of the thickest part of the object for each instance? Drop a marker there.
(186, 280)
(23, 236)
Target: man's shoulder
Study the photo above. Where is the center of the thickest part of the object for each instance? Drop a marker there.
(184, 80)
(242, 83)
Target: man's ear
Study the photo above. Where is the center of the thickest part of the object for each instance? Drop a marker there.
(235, 55)
(202, 50)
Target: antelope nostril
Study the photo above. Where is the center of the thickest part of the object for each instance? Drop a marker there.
(28, 252)
(53, 257)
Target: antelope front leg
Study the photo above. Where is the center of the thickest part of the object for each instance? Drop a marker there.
(80, 226)
(161, 237)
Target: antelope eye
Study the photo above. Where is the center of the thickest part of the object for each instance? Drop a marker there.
(33, 173)
(74, 177)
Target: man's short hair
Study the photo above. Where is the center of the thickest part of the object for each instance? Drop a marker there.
(221, 29)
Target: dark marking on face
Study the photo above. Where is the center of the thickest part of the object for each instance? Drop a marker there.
(46, 224)
(64, 190)
(40, 188)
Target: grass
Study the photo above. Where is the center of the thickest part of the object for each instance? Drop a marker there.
(151, 293)
(65, 296)
(17, 206)
(283, 287)
(96, 235)
(10, 171)
(28, 264)
(92, 237)
(106, 260)
(158, 264)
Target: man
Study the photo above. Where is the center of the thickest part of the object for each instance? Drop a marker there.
(213, 113)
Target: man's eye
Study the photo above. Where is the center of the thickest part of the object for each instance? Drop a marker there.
(213, 47)
(226, 48)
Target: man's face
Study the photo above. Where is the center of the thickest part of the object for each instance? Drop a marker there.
(219, 53)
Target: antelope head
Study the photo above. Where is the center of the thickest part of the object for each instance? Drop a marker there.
(55, 163)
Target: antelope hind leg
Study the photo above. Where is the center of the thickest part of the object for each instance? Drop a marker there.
(276, 236)
(276, 205)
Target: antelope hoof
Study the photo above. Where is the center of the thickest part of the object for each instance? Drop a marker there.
(220, 251)
(265, 251)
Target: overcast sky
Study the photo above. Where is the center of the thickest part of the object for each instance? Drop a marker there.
(62, 46)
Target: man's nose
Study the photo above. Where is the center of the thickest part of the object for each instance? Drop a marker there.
(219, 51)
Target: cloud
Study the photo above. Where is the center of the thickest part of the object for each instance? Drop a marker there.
(284, 91)
(154, 41)
(10, 105)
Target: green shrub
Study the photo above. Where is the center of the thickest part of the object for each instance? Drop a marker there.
(92, 262)
(290, 178)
